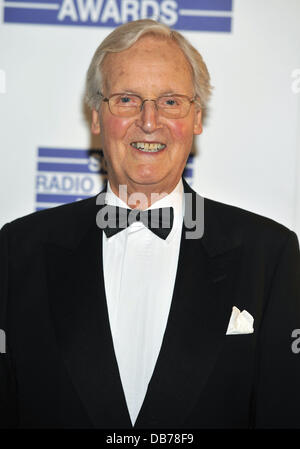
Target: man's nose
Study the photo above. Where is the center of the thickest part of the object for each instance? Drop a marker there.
(148, 119)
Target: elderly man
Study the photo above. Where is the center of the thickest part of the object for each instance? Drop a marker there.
(115, 319)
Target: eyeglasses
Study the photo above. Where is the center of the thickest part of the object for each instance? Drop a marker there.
(169, 106)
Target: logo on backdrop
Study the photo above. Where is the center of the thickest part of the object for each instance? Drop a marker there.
(66, 175)
(195, 15)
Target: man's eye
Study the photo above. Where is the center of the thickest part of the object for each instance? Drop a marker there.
(125, 100)
(170, 102)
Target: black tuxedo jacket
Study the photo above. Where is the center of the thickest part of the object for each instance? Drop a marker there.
(60, 370)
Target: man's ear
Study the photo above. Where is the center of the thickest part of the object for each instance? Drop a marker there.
(198, 122)
(95, 126)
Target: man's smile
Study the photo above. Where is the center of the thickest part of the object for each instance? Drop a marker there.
(148, 147)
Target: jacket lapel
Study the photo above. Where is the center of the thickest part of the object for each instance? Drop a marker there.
(200, 311)
(78, 305)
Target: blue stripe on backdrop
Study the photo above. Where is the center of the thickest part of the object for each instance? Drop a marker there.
(74, 168)
(61, 199)
(33, 1)
(188, 172)
(38, 16)
(208, 5)
(203, 23)
(57, 152)
(57, 167)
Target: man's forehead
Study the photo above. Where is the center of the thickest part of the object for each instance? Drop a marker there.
(146, 54)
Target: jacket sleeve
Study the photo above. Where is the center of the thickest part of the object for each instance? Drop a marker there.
(277, 395)
(8, 391)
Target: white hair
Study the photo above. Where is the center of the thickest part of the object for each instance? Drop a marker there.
(124, 37)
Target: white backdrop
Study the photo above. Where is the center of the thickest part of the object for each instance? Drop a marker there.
(248, 154)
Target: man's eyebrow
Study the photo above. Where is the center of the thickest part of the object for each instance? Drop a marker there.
(171, 92)
(127, 91)
(164, 93)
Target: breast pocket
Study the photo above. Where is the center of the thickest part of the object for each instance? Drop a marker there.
(239, 348)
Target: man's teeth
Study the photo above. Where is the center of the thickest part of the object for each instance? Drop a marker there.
(148, 147)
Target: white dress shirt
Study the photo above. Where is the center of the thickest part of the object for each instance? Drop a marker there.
(139, 276)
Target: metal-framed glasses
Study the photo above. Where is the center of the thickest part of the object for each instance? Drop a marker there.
(128, 105)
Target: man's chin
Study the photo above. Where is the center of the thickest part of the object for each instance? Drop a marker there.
(146, 181)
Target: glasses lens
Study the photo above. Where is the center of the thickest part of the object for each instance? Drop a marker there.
(173, 106)
(125, 105)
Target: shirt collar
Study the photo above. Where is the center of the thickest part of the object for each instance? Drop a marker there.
(174, 199)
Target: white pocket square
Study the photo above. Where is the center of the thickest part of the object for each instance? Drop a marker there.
(240, 322)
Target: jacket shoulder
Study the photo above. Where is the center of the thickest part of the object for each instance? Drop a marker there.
(57, 221)
(254, 227)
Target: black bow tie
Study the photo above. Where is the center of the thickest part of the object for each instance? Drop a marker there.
(114, 219)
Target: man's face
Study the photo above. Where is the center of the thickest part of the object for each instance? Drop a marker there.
(150, 68)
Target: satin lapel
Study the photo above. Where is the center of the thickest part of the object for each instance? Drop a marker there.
(78, 304)
(200, 310)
